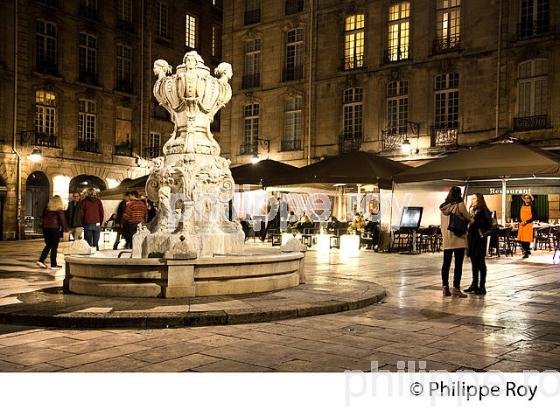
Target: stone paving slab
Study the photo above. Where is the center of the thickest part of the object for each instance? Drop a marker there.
(49, 306)
(413, 323)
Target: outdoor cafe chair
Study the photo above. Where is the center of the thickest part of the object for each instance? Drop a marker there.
(544, 239)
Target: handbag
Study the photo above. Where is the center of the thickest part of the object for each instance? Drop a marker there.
(457, 225)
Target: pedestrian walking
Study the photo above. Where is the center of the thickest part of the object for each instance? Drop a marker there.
(118, 220)
(454, 223)
(92, 211)
(476, 251)
(74, 217)
(136, 212)
(54, 225)
(527, 214)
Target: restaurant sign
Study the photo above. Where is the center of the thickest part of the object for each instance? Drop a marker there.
(542, 190)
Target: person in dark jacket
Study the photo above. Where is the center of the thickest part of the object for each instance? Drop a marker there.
(118, 219)
(527, 215)
(476, 250)
(92, 211)
(74, 217)
(54, 224)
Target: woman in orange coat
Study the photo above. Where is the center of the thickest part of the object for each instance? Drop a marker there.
(527, 214)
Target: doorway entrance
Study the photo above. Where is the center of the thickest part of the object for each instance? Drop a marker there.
(37, 190)
(3, 190)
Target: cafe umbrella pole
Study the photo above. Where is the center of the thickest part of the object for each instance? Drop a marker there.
(504, 187)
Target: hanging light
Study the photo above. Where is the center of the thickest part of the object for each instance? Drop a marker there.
(35, 155)
(255, 159)
(406, 147)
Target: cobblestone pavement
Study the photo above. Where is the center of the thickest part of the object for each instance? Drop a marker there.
(515, 327)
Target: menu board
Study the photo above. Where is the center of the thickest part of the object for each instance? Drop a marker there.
(411, 217)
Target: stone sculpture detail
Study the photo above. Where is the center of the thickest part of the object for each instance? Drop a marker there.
(191, 184)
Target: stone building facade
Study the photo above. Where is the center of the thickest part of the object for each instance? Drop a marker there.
(410, 79)
(83, 92)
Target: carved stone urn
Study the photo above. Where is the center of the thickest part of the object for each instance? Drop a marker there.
(191, 184)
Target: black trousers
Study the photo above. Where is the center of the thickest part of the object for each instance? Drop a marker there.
(118, 238)
(458, 272)
(478, 272)
(52, 238)
(128, 232)
(526, 246)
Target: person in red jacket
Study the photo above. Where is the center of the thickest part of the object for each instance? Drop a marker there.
(54, 224)
(135, 212)
(92, 217)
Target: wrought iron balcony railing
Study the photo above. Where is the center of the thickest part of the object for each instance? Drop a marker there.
(444, 134)
(349, 142)
(396, 54)
(159, 112)
(87, 146)
(290, 145)
(152, 152)
(47, 67)
(124, 150)
(445, 44)
(532, 28)
(88, 12)
(353, 62)
(294, 6)
(125, 25)
(292, 73)
(40, 139)
(534, 122)
(393, 138)
(251, 80)
(249, 148)
(252, 16)
(124, 86)
(88, 77)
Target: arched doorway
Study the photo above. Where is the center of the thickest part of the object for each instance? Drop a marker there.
(37, 190)
(81, 182)
(3, 190)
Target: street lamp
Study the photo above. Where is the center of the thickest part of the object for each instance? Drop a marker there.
(259, 142)
(255, 159)
(35, 155)
(406, 147)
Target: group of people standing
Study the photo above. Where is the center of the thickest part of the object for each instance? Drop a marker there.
(84, 218)
(466, 232)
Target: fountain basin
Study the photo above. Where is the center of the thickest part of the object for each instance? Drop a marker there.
(256, 270)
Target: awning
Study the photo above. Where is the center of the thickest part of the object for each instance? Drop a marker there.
(264, 173)
(496, 161)
(137, 184)
(357, 167)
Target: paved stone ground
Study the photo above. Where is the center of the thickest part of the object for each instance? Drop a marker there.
(515, 327)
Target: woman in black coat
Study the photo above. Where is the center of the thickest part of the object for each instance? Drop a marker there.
(476, 239)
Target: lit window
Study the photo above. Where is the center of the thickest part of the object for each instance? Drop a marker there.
(399, 31)
(191, 28)
(45, 113)
(123, 126)
(354, 32)
(448, 24)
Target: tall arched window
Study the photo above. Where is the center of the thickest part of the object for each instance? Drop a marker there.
(291, 140)
(45, 118)
(532, 94)
(399, 31)
(534, 17)
(251, 125)
(252, 69)
(354, 37)
(294, 55)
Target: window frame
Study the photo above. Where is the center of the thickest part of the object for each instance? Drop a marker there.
(354, 41)
(87, 120)
(46, 111)
(353, 113)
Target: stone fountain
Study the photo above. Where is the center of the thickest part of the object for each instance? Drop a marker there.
(191, 248)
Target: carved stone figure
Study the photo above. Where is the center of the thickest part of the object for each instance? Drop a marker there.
(191, 183)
